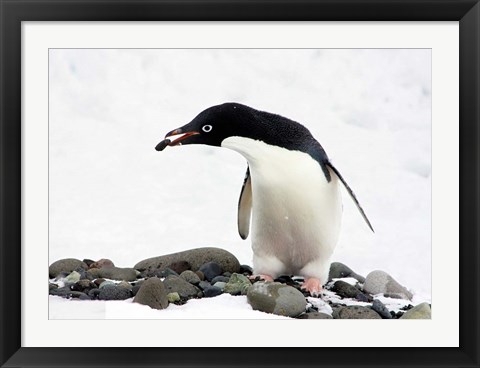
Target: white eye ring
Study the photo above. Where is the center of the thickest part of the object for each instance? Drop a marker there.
(207, 128)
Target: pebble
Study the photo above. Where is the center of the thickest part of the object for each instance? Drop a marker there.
(220, 278)
(195, 257)
(276, 298)
(65, 265)
(173, 297)
(345, 290)
(84, 286)
(420, 311)
(152, 293)
(190, 276)
(380, 282)
(66, 292)
(183, 288)
(381, 309)
(106, 283)
(211, 270)
(245, 269)
(220, 285)
(339, 270)
(200, 275)
(238, 284)
(355, 312)
(125, 284)
(212, 291)
(72, 277)
(204, 284)
(114, 292)
(98, 282)
(315, 315)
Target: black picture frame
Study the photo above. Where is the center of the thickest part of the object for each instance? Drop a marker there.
(13, 12)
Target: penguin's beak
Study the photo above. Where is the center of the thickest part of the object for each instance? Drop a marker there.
(177, 141)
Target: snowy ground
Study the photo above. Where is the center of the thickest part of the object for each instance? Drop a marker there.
(113, 196)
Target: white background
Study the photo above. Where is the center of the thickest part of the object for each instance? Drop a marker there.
(112, 195)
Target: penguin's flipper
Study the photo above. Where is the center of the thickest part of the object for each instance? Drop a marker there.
(245, 206)
(350, 191)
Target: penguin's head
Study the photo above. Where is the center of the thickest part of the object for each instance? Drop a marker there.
(212, 126)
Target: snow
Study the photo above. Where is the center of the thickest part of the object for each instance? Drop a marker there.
(111, 195)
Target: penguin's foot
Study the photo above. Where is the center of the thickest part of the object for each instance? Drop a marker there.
(261, 276)
(313, 286)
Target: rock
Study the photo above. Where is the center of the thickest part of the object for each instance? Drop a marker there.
(220, 285)
(180, 266)
(73, 277)
(113, 292)
(200, 275)
(191, 277)
(245, 269)
(66, 292)
(116, 273)
(195, 257)
(173, 297)
(135, 289)
(220, 279)
(345, 290)
(339, 270)
(84, 286)
(52, 286)
(93, 294)
(380, 282)
(211, 270)
(237, 285)
(276, 298)
(94, 272)
(88, 262)
(65, 265)
(99, 282)
(125, 284)
(102, 263)
(183, 288)
(315, 315)
(354, 312)
(152, 293)
(227, 274)
(420, 311)
(212, 291)
(106, 283)
(381, 309)
(204, 284)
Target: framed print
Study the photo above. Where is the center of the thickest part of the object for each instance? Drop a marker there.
(89, 90)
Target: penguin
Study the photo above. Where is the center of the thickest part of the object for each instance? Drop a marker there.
(290, 195)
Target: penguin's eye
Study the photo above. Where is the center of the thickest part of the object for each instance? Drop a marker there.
(207, 128)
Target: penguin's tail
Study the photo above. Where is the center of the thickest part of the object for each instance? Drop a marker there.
(350, 191)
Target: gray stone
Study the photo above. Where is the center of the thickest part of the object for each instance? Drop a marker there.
(65, 265)
(204, 284)
(116, 273)
(276, 298)
(183, 288)
(315, 315)
(354, 312)
(73, 277)
(152, 293)
(339, 270)
(195, 257)
(380, 282)
(66, 292)
(211, 270)
(238, 284)
(221, 279)
(191, 277)
(381, 309)
(420, 311)
(113, 292)
(125, 284)
(345, 290)
(220, 285)
(211, 291)
(106, 283)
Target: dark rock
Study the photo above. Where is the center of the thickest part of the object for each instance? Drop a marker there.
(98, 282)
(211, 291)
(180, 266)
(66, 292)
(211, 270)
(196, 257)
(88, 262)
(84, 286)
(361, 297)
(204, 284)
(102, 263)
(183, 288)
(315, 315)
(191, 277)
(152, 293)
(135, 289)
(380, 282)
(238, 284)
(113, 292)
(52, 286)
(276, 298)
(125, 284)
(65, 265)
(219, 279)
(354, 312)
(345, 290)
(381, 309)
(94, 293)
(339, 270)
(227, 274)
(200, 275)
(84, 297)
(245, 269)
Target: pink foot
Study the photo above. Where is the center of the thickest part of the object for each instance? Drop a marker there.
(263, 277)
(313, 286)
